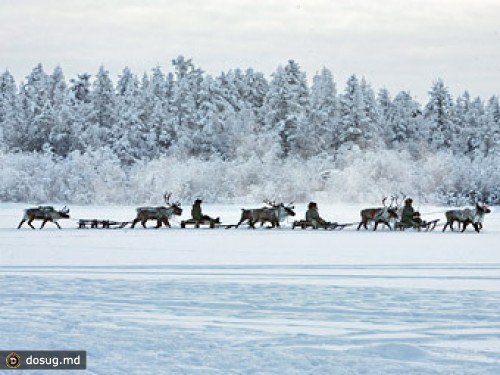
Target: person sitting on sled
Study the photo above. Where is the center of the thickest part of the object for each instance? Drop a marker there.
(410, 217)
(312, 216)
(197, 214)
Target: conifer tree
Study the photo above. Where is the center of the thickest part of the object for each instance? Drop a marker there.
(11, 125)
(103, 113)
(37, 110)
(129, 129)
(184, 104)
(353, 130)
(286, 107)
(324, 115)
(438, 115)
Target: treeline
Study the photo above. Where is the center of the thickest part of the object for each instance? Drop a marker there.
(100, 135)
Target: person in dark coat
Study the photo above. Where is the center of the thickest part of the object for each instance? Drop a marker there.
(410, 217)
(312, 216)
(197, 213)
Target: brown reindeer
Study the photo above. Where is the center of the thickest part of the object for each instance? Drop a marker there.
(160, 214)
(474, 216)
(45, 213)
(378, 215)
(274, 213)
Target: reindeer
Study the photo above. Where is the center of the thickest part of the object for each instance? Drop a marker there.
(274, 214)
(378, 215)
(474, 216)
(160, 214)
(45, 213)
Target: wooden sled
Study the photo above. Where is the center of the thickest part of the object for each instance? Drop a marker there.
(103, 224)
(303, 224)
(199, 223)
(428, 226)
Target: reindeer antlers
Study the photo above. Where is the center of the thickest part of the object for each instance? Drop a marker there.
(268, 202)
(274, 205)
(166, 197)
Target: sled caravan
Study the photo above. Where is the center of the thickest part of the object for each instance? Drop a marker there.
(402, 216)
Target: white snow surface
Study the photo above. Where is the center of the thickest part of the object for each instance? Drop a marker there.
(242, 301)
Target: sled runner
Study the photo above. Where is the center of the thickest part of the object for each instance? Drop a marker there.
(303, 224)
(104, 224)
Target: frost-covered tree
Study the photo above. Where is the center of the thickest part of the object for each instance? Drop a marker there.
(461, 112)
(403, 123)
(253, 91)
(129, 129)
(439, 117)
(147, 100)
(103, 115)
(211, 137)
(37, 110)
(58, 88)
(324, 115)
(286, 108)
(162, 117)
(491, 134)
(184, 104)
(11, 125)
(78, 117)
(62, 137)
(469, 125)
(371, 123)
(357, 116)
(385, 106)
(155, 116)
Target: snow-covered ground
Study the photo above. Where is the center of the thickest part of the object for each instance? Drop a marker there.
(239, 301)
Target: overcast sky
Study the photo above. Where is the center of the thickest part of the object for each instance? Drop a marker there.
(396, 44)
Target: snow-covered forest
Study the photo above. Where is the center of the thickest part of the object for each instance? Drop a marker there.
(240, 136)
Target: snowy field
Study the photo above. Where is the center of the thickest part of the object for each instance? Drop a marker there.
(239, 301)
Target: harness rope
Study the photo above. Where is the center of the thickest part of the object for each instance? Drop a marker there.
(432, 213)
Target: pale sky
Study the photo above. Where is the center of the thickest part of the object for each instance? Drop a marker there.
(396, 44)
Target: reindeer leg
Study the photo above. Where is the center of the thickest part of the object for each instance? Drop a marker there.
(362, 223)
(166, 222)
(134, 222)
(43, 223)
(143, 223)
(57, 224)
(21, 223)
(158, 223)
(31, 225)
(241, 222)
(375, 226)
(465, 225)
